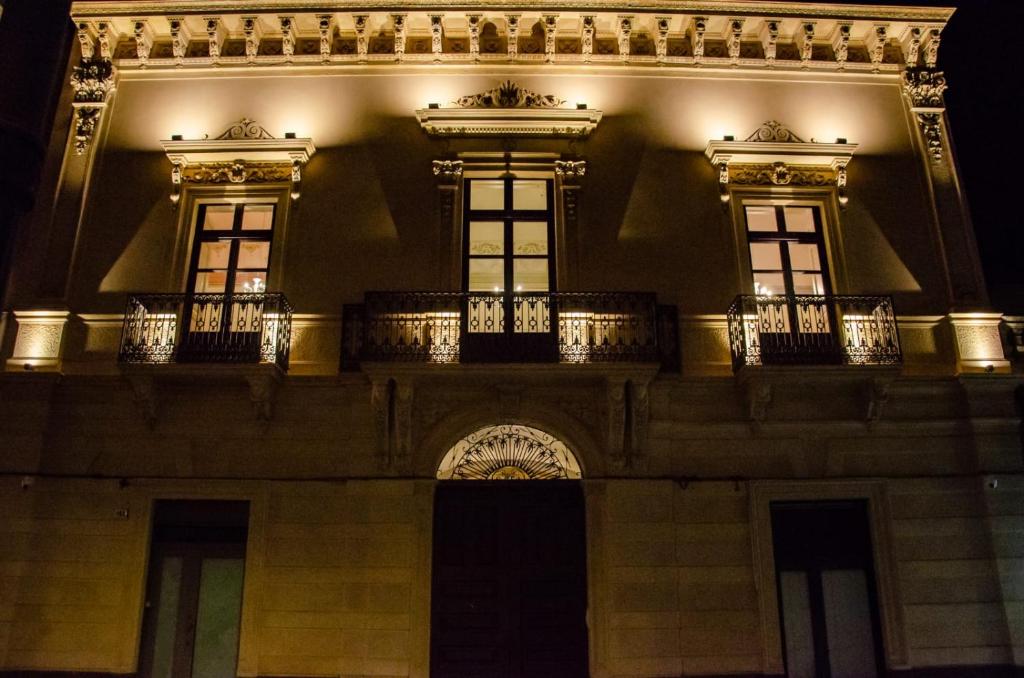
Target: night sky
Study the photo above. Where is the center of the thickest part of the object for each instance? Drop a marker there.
(982, 55)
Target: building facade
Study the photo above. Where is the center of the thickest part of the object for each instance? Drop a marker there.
(497, 339)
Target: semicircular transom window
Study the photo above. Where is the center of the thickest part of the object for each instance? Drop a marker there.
(509, 452)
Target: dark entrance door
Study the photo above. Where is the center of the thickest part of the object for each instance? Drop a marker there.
(509, 593)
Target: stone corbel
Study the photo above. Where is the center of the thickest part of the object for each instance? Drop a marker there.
(616, 396)
(700, 26)
(839, 167)
(625, 29)
(877, 38)
(180, 37)
(924, 88)
(734, 40)
(214, 35)
(143, 33)
(106, 39)
(910, 41)
(361, 22)
(770, 40)
(841, 42)
(640, 409)
(805, 40)
(550, 25)
(931, 47)
(287, 37)
(587, 37)
(253, 33)
(380, 404)
(512, 35)
(628, 417)
(94, 81)
(325, 25)
(876, 395)
(398, 21)
(391, 402)
(436, 34)
(263, 387)
(403, 426)
(473, 26)
(144, 396)
(662, 23)
(758, 396)
(86, 39)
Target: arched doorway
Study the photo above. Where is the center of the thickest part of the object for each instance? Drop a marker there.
(509, 593)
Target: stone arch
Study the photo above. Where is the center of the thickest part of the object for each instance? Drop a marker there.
(509, 452)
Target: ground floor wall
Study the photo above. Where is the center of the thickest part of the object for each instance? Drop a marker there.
(680, 577)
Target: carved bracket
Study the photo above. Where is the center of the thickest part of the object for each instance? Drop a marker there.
(758, 396)
(94, 81)
(876, 395)
(392, 404)
(628, 417)
(144, 396)
(924, 88)
(263, 393)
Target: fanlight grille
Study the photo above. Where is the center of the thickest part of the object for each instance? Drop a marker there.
(509, 452)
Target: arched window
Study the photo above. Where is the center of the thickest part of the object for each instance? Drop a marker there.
(509, 452)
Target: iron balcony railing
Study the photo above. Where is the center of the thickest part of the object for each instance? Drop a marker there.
(813, 330)
(453, 327)
(207, 328)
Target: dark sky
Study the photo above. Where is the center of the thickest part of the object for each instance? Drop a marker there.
(983, 58)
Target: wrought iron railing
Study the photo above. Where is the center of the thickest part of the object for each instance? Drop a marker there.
(451, 327)
(813, 330)
(208, 328)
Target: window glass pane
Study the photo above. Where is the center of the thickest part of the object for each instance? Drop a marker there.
(530, 237)
(219, 217)
(530, 194)
(217, 618)
(796, 622)
(764, 256)
(486, 237)
(769, 283)
(214, 254)
(253, 254)
(251, 281)
(486, 275)
(166, 620)
(799, 219)
(211, 281)
(808, 283)
(761, 218)
(258, 218)
(804, 257)
(487, 194)
(851, 648)
(530, 275)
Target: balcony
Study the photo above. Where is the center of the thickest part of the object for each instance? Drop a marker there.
(813, 330)
(206, 328)
(477, 327)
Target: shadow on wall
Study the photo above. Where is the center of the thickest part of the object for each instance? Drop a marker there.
(128, 240)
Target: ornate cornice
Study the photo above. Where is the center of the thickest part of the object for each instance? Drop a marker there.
(509, 95)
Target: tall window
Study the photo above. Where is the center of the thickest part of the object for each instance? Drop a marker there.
(509, 235)
(826, 587)
(194, 590)
(787, 250)
(232, 248)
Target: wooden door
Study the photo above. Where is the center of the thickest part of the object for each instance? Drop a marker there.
(509, 592)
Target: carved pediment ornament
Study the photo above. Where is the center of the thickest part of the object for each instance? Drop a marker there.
(775, 131)
(509, 95)
(244, 153)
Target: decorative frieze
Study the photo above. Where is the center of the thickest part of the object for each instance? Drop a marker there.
(780, 174)
(236, 172)
(93, 81)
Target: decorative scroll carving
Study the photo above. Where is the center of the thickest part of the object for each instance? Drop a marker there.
(512, 23)
(806, 40)
(924, 87)
(143, 40)
(180, 37)
(841, 43)
(288, 37)
(106, 39)
(236, 172)
(840, 170)
(931, 130)
(399, 23)
(448, 170)
(325, 24)
(734, 40)
(436, 31)
(625, 29)
(509, 95)
(213, 34)
(931, 50)
(570, 170)
(253, 33)
(85, 40)
(245, 129)
(587, 39)
(912, 45)
(661, 44)
(700, 25)
(773, 131)
(876, 45)
(93, 81)
(770, 41)
(360, 21)
(779, 174)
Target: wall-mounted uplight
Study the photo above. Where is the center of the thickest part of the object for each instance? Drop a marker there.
(433, 107)
(729, 137)
(581, 106)
(176, 137)
(841, 140)
(289, 135)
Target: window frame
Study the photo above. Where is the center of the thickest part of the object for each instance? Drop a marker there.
(235, 236)
(783, 235)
